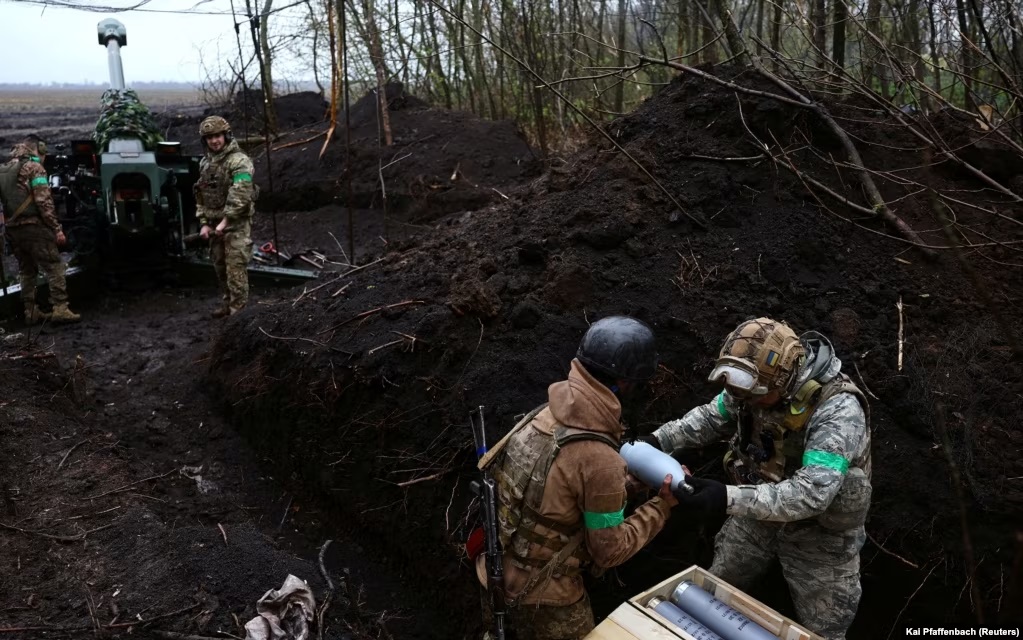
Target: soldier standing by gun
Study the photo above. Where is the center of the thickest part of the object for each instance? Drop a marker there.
(225, 196)
(33, 229)
(561, 489)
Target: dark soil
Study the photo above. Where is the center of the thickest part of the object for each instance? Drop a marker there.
(489, 308)
(440, 161)
(96, 447)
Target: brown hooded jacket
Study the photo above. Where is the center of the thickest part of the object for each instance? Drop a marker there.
(585, 488)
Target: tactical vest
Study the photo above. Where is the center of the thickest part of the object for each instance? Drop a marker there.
(16, 202)
(214, 182)
(521, 473)
(769, 447)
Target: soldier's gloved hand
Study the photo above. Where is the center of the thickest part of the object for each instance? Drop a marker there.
(204, 233)
(709, 496)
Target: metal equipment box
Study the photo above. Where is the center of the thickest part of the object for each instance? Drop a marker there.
(633, 620)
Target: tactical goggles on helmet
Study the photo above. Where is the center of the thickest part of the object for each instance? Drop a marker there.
(739, 376)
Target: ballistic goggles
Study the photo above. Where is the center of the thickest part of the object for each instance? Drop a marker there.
(739, 376)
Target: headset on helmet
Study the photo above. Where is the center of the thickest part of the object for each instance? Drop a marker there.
(619, 348)
(759, 357)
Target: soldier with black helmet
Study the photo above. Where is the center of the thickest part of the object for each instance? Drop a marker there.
(799, 465)
(225, 204)
(562, 486)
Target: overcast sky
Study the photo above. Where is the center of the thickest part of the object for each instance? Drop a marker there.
(59, 45)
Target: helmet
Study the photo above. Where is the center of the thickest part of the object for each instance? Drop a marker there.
(620, 348)
(213, 125)
(759, 357)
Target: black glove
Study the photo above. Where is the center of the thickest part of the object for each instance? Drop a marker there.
(651, 440)
(709, 496)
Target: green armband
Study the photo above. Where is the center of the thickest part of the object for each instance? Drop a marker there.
(826, 459)
(40, 181)
(242, 177)
(604, 520)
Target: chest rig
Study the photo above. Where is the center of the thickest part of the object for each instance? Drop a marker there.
(521, 475)
(214, 182)
(769, 445)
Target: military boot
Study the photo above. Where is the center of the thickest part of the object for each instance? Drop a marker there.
(33, 315)
(61, 313)
(222, 311)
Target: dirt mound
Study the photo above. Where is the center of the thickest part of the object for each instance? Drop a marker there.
(294, 111)
(489, 310)
(125, 502)
(440, 161)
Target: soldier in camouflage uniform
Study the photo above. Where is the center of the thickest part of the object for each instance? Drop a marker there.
(800, 465)
(225, 198)
(33, 229)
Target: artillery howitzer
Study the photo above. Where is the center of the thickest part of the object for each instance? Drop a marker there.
(125, 196)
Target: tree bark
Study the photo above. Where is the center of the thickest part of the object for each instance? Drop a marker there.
(776, 29)
(819, 19)
(376, 53)
(620, 43)
(875, 67)
(838, 35)
(965, 57)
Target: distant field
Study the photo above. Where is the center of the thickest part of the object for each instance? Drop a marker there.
(61, 100)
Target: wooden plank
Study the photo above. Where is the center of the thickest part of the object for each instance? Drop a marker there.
(609, 630)
(642, 625)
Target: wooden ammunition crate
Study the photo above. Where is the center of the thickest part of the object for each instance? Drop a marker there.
(633, 620)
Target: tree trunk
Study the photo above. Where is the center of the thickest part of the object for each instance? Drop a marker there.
(537, 92)
(710, 54)
(376, 54)
(838, 36)
(966, 59)
(935, 58)
(760, 22)
(267, 71)
(316, 47)
(441, 76)
(776, 30)
(875, 67)
(819, 20)
(620, 43)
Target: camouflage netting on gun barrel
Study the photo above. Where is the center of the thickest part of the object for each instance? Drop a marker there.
(124, 116)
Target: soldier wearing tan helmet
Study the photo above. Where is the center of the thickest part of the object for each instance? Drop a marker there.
(225, 197)
(799, 464)
(33, 229)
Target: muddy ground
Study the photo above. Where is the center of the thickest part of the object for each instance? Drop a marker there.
(342, 411)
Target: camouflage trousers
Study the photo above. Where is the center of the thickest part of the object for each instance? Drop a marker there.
(35, 247)
(231, 253)
(821, 567)
(531, 622)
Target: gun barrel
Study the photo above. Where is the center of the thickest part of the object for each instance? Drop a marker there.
(113, 36)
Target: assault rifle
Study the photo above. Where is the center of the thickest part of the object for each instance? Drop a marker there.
(486, 489)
